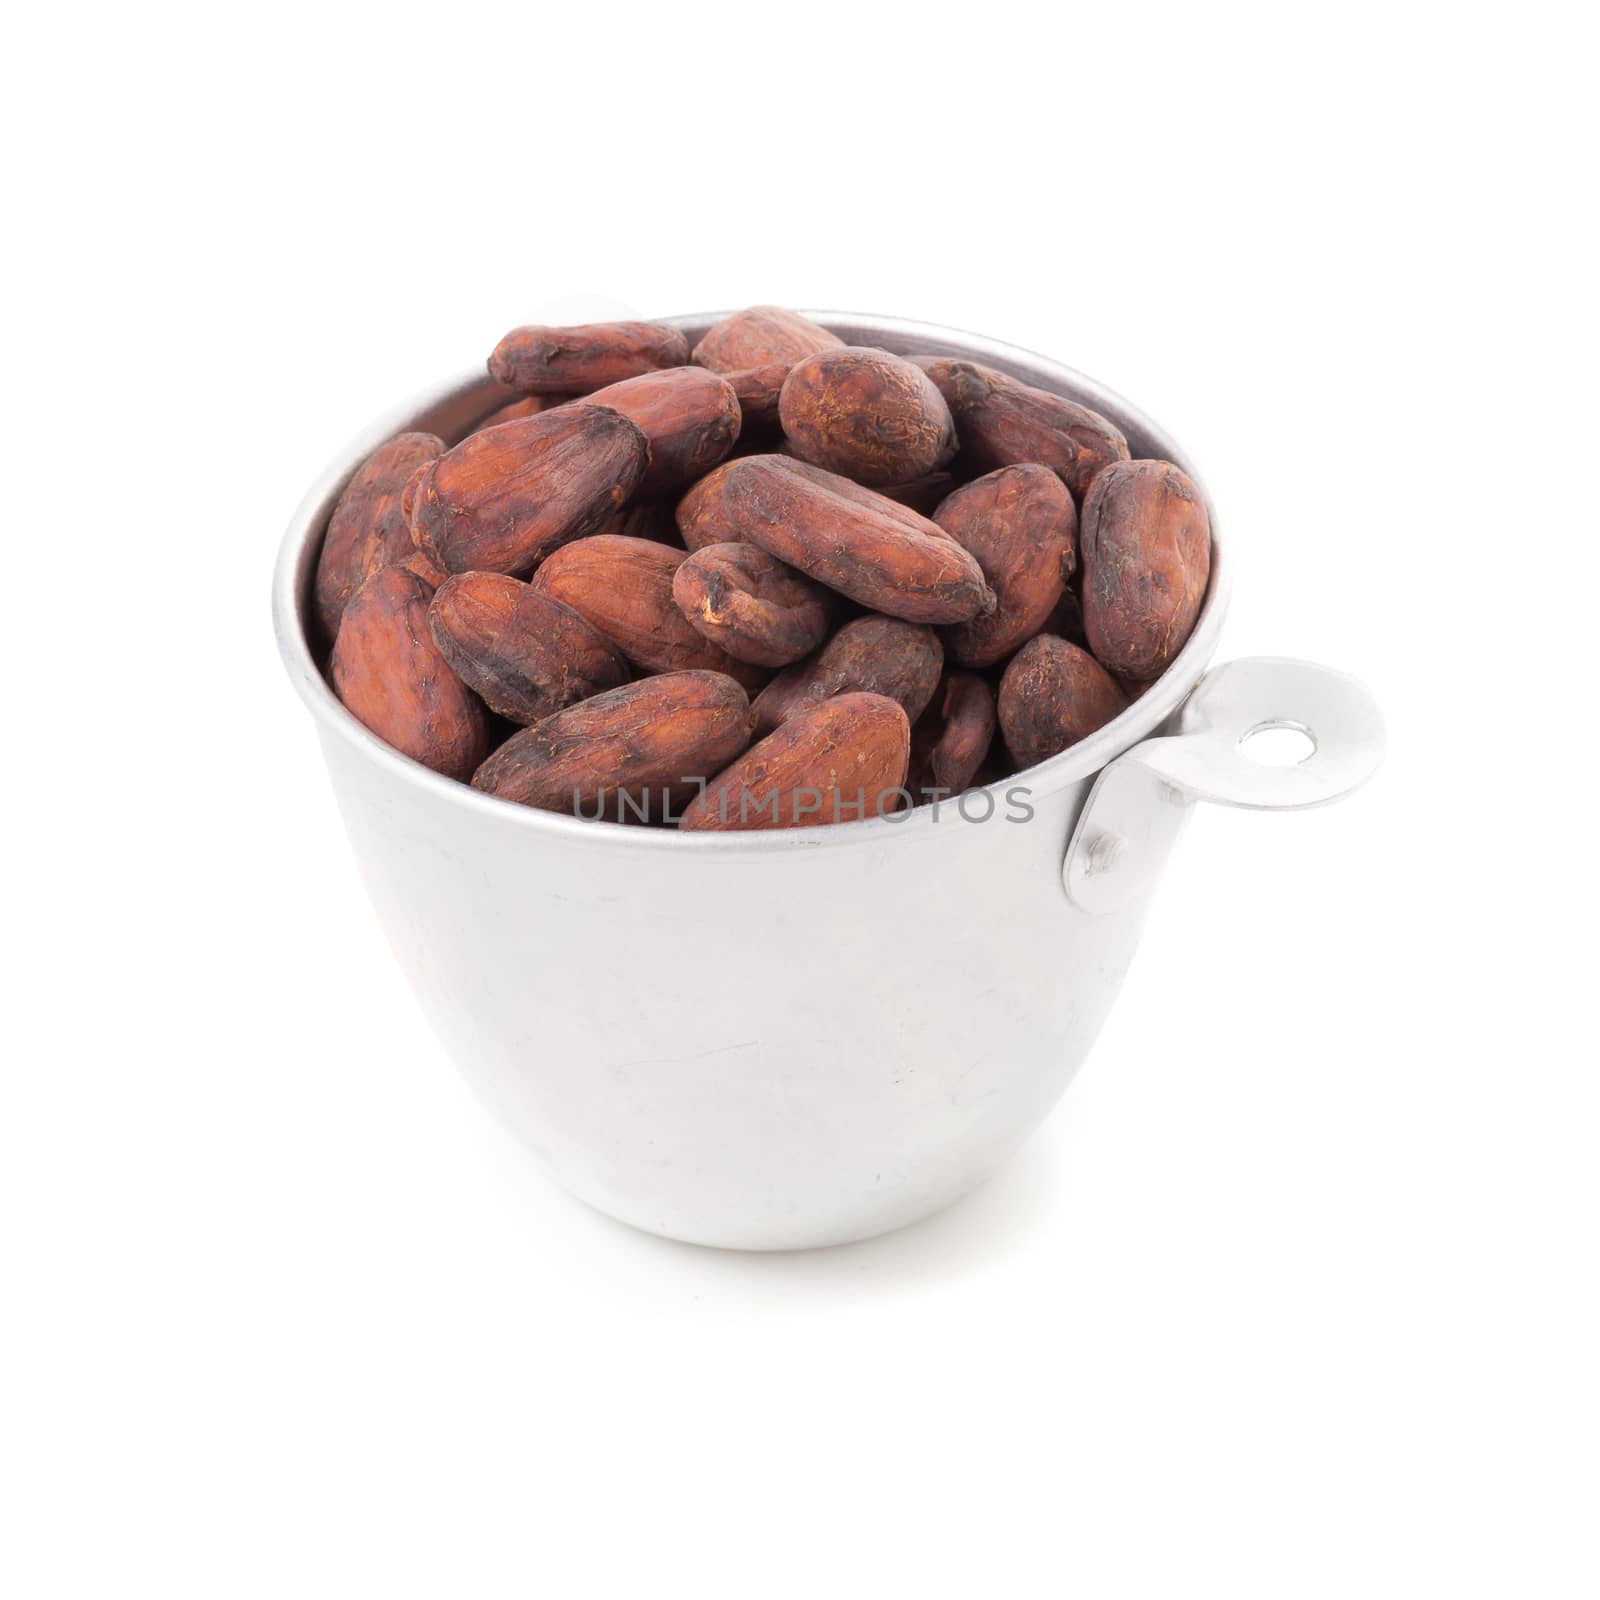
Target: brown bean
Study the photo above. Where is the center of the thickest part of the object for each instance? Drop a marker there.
(623, 587)
(689, 416)
(390, 675)
(751, 604)
(761, 336)
(368, 529)
(703, 518)
(1146, 561)
(1020, 525)
(881, 555)
(633, 754)
(577, 360)
(502, 500)
(840, 761)
(867, 415)
(1052, 695)
(1002, 423)
(878, 655)
(526, 654)
(951, 740)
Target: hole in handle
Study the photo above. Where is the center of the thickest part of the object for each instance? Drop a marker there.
(1279, 743)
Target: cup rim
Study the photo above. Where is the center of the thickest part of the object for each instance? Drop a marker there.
(296, 563)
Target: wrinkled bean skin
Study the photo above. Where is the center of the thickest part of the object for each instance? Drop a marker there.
(391, 677)
(758, 389)
(502, 500)
(762, 336)
(877, 655)
(880, 555)
(868, 415)
(689, 416)
(1002, 423)
(1146, 562)
(951, 740)
(655, 742)
(368, 529)
(525, 654)
(1020, 525)
(579, 360)
(703, 517)
(1052, 695)
(751, 604)
(623, 587)
(841, 761)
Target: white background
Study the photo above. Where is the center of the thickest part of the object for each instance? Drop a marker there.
(1293, 1296)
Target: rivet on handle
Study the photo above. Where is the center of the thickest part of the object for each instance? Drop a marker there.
(1142, 800)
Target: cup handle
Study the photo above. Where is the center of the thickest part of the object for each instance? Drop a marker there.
(1141, 801)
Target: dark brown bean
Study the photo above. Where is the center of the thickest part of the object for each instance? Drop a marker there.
(526, 654)
(578, 360)
(1146, 562)
(751, 604)
(1052, 695)
(1020, 525)
(878, 655)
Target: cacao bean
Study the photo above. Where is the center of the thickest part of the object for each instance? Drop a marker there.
(879, 655)
(689, 416)
(529, 405)
(867, 415)
(751, 604)
(840, 761)
(951, 740)
(762, 336)
(1001, 423)
(577, 360)
(501, 501)
(1052, 695)
(882, 555)
(526, 654)
(391, 677)
(646, 747)
(1020, 525)
(623, 587)
(1146, 561)
(368, 529)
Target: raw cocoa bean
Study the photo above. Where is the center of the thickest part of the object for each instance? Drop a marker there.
(867, 415)
(368, 529)
(951, 740)
(882, 555)
(689, 416)
(758, 389)
(577, 360)
(634, 753)
(761, 336)
(1066, 621)
(526, 654)
(1002, 423)
(841, 761)
(391, 677)
(623, 587)
(879, 655)
(703, 519)
(1052, 695)
(1020, 525)
(501, 501)
(751, 604)
(529, 405)
(1146, 561)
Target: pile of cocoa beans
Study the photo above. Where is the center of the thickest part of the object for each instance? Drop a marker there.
(771, 581)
